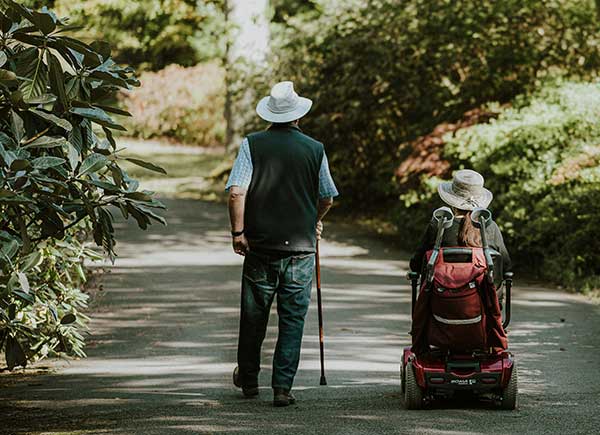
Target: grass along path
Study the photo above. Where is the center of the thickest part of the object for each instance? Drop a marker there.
(190, 170)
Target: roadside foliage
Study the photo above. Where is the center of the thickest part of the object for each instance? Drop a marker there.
(383, 73)
(541, 158)
(60, 178)
(181, 104)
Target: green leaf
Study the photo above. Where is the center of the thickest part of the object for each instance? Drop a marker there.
(7, 76)
(20, 165)
(109, 77)
(23, 281)
(114, 110)
(17, 125)
(91, 59)
(93, 163)
(139, 196)
(30, 65)
(57, 80)
(3, 58)
(76, 138)
(62, 123)
(46, 142)
(14, 353)
(147, 165)
(47, 162)
(8, 249)
(96, 115)
(52, 225)
(44, 20)
(102, 48)
(7, 156)
(24, 296)
(106, 186)
(73, 155)
(42, 99)
(30, 261)
(7, 196)
(152, 214)
(68, 319)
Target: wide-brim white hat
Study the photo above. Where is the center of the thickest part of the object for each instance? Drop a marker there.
(465, 191)
(283, 105)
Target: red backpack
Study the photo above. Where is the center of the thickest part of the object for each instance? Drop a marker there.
(458, 311)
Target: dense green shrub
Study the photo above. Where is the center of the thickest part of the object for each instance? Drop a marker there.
(382, 72)
(60, 178)
(151, 34)
(184, 104)
(541, 159)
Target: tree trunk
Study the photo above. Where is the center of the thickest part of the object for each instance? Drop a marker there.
(247, 47)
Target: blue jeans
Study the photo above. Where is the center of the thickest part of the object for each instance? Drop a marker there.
(264, 276)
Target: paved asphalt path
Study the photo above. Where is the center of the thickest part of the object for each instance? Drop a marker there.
(163, 345)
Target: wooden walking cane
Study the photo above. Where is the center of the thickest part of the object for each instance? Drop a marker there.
(320, 311)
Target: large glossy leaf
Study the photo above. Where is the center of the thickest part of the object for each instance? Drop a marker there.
(68, 319)
(14, 353)
(8, 196)
(7, 156)
(102, 48)
(30, 261)
(96, 115)
(76, 138)
(44, 20)
(26, 297)
(93, 163)
(147, 165)
(73, 155)
(31, 67)
(8, 249)
(17, 126)
(7, 76)
(109, 77)
(42, 99)
(139, 196)
(91, 59)
(109, 187)
(46, 142)
(61, 122)
(52, 225)
(152, 214)
(57, 78)
(47, 162)
(20, 165)
(23, 282)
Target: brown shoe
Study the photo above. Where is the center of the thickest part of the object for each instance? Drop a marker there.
(283, 397)
(248, 390)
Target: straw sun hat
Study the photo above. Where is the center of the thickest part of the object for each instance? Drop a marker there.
(283, 105)
(465, 191)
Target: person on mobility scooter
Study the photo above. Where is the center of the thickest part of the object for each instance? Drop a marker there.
(458, 336)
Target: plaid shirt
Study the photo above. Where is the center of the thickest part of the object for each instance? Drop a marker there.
(241, 173)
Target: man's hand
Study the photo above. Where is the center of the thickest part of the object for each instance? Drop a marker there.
(240, 245)
(319, 229)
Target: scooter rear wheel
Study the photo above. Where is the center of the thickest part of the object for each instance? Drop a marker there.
(510, 393)
(403, 377)
(413, 395)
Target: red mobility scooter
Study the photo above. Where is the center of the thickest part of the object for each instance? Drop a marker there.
(459, 343)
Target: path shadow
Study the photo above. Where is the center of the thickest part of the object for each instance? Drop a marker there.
(164, 333)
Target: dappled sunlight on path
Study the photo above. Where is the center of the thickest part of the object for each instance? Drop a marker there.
(164, 337)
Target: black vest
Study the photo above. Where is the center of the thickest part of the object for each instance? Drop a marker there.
(281, 203)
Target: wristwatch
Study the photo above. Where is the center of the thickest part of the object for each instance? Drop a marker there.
(237, 233)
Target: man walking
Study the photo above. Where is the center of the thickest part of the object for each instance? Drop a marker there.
(280, 188)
